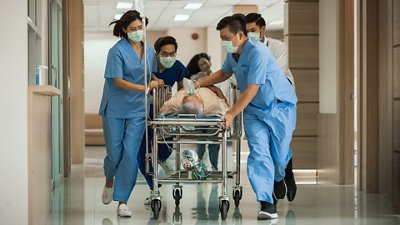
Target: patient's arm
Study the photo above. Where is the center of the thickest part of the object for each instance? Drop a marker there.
(218, 92)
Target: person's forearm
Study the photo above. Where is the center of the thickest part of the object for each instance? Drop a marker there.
(244, 100)
(214, 78)
(121, 83)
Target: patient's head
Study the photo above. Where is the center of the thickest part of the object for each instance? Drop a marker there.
(192, 104)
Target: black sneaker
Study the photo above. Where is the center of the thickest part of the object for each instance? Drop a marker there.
(290, 182)
(291, 188)
(279, 189)
(267, 212)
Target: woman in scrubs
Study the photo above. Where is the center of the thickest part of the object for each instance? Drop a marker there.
(268, 102)
(122, 108)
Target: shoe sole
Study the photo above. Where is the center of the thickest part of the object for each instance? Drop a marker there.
(267, 216)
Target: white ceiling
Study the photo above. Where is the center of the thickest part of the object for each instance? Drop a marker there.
(99, 13)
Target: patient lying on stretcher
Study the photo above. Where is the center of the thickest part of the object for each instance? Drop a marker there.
(204, 102)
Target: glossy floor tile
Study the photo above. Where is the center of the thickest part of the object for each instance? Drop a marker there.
(78, 202)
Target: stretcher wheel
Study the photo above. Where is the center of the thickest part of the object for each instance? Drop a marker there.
(237, 195)
(223, 208)
(156, 207)
(177, 196)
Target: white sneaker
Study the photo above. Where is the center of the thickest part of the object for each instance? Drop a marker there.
(147, 201)
(167, 167)
(107, 195)
(124, 211)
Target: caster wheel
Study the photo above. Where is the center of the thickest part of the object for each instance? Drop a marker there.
(237, 195)
(156, 207)
(223, 208)
(177, 194)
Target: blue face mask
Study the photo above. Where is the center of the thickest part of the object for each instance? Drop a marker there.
(228, 46)
(136, 36)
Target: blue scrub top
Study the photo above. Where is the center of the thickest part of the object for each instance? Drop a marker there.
(122, 62)
(257, 65)
(174, 74)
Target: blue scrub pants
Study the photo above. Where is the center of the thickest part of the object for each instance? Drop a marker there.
(269, 134)
(122, 139)
(213, 152)
(163, 154)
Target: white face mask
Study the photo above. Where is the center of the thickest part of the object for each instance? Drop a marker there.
(228, 46)
(254, 35)
(135, 36)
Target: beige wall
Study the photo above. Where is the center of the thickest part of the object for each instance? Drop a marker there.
(13, 116)
(76, 69)
(187, 47)
(301, 35)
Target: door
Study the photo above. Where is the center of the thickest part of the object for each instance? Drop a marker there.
(56, 79)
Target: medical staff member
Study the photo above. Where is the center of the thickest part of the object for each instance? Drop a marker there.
(171, 71)
(256, 27)
(268, 102)
(122, 108)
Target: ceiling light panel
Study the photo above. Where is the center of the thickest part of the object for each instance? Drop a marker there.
(181, 17)
(193, 6)
(124, 5)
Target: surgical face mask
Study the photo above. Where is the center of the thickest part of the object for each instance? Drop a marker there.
(167, 62)
(228, 46)
(136, 36)
(254, 35)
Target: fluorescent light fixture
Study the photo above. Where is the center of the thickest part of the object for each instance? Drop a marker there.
(117, 16)
(181, 17)
(276, 23)
(193, 6)
(124, 5)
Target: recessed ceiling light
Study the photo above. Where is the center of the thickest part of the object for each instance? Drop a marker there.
(117, 16)
(193, 6)
(181, 17)
(124, 5)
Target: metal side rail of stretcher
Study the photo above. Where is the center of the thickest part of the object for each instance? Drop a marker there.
(190, 129)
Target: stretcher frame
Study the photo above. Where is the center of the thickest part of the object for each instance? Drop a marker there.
(173, 126)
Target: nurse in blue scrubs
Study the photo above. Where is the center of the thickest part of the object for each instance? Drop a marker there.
(268, 102)
(122, 108)
(171, 71)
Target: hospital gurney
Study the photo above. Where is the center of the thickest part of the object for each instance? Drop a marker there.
(203, 130)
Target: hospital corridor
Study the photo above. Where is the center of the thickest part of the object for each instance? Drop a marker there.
(78, 201)
(200, 112)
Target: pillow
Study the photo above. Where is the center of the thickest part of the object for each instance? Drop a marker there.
(213, 105)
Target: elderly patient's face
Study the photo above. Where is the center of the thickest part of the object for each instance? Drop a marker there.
(192, 105)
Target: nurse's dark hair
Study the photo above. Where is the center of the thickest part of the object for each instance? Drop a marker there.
(126, 19)
(167, 40)
(193, 65)
(255, 18)
(235, 23)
